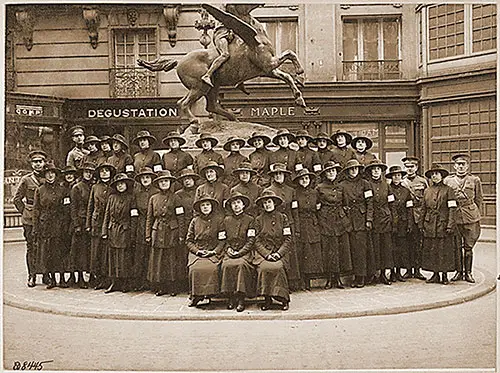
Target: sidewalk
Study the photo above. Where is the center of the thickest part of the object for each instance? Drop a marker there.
(410, 296)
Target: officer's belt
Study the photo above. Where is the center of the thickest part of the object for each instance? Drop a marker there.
(465, 203)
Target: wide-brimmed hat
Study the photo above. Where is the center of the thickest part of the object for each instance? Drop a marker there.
(120, 138)
(304, 172)
(236, 195)
(50, 166)
(323, 136)
(244, 166)
(105, 138)
(369, 142)
(90, 166)
(281, 133)
(212, 165)
(206, 136)
(352, 163)
(436, 167)
(187, 172)
(376, 163)
(144, 135)
(395, 170)
(303, 133)
(37, 154)
(256, 136)
(465, 157)
(108, 165)
(76, 130)
(329, 166)
(230, 140)
(410, 159)
(173, 135)
(278, 167)
(266, 194)
(145, 171)
(203, 198)
(91, 139)
(348, 137)
(69, 170)
(122, 177)
(163, 175)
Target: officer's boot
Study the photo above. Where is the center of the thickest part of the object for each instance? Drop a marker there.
(337, 282)
(460, 266)
(468, 267)
(392, 278)
(444, 278)
(383, 278)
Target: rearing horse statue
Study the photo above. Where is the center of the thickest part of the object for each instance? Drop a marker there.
(251, 55)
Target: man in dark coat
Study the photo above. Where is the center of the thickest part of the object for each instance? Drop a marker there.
(75, 156)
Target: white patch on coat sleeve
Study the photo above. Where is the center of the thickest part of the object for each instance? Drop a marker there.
(368, 193)
(66, 201)
(134, 212)
(157, 167)
(129, 168)
(251, 233)
(179, 210)
(287, 231)
(452, 203)
(409, 203)
(295, 205)
(390, 198)
(222, 235)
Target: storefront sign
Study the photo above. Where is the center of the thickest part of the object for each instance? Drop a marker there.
(272, 111)
(133, 113)
(31, 111)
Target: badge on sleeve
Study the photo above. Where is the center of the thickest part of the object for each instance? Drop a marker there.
(129, 168)
(134, 212)
(318, 206)
(66, 201)
(157, 167)
(390, 198)
(452, 203)
(251, 232)
(222, 235)
(287, 231)
(179, 210)
(317, 168)
(368, 193)
(299, 167)
(295, 205)
(409, 203)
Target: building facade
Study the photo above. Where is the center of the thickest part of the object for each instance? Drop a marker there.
(417, 79)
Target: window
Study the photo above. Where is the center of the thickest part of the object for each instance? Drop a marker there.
(484, 27)
(446, 31)
(420, 46)
(371, 48)
(128, 80)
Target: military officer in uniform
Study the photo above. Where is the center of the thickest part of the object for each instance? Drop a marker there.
(416, 184)
(469, 194)
(76, 155)
(23, 200)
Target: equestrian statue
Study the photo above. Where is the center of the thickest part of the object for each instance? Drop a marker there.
(242, 51)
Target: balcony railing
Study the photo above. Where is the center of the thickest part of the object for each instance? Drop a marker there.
(372, 70)
(132, 82)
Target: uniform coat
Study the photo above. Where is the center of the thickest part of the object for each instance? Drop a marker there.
(146, 158)
(206, 156)
(217, 190)
(175, 160)
(231, 162)
(308, 158)
(260, 161)
(325, 155)
(250, 190)
(342, 155)
(103, 157)
(186, 198)
(120, 160)
(286, 156)
(365, 158)
(75, 157)
(402, 221)
(273, 235)
(80, 240)
(93, 157)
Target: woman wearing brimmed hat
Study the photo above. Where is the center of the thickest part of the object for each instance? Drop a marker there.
(361, 145)
(165, 221)
(91, 143)
(95, 215)
(381, 234)
(121, 159)
(206, 142)
(341, 152)
(80, 240)
(333, 223)
(438, 225)
(205, 242)
(175, 159)
(284, 154)
(48, 207)
(247, 187)
(358, 204)
(260, 158)
(146, 156)
(279, 174)
(233, 159)
(402, 221)
(323, 143)
(307, 229)
(305, 157)
(213, 186)
(237, 271)
(143, 191)
(119, 229)
(272, 245)
(106, 150)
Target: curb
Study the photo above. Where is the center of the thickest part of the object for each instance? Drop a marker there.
(485, 288)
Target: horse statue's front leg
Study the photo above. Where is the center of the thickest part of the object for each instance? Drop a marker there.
(287, 78)
(288, 55)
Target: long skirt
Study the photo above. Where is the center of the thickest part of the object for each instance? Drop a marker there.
(438, 254)
(238, 276)
(120, 262)
(141, 260)
(310, 259)
(415, 246)
(204, 277)
(80, 251)
(382, 250)
(272, 280)
(361, 253)
(50, 254)
(336, 253)
(163, 265)
(98, 256)
(401, 252)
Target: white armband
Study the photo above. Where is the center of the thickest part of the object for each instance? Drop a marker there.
(452, 203)
(299, 167)
(157, 167)
(318, 206)
(221, 235)
(129, 168)
(368, 193)
(190, 167)
(317, 167)
(66, 201)
(134, 212)
(295, 205)
(390, 198)
(251, 233)
(179, 210)
(287, 231)
(409, 203)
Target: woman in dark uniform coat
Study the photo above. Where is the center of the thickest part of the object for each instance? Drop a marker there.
(333, 223)
(119, 229)
(438, 225)
(205, 242)
(121, 159)
(260, 158)
(143, 191)
(307, 228)
(237, 270)
(213, 186)
(247, 187)
(146, 156)
(272, 244)
(165, 221)
(175, 159)
(48, 216)
(80, 239)
(361, 145)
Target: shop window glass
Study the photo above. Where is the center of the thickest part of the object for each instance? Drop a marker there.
(484, 27)
(446, 30)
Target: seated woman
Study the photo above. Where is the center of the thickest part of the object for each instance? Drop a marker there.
(204, 241)
(238, 273)
(272, 244)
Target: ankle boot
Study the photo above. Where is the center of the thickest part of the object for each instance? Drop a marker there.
(52, 281)
(62, 281)
(337, 282)
(434, 279)
(307, 283)
(398, 276)
(267, 303)
(444, 278)
(392, 277)
(418, 275)
(329, 281)
(468, 267)
(241, 303)
(383, 278)
(31, 281)
(409, 273)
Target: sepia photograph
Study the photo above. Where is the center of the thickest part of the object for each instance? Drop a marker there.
(279, 186)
